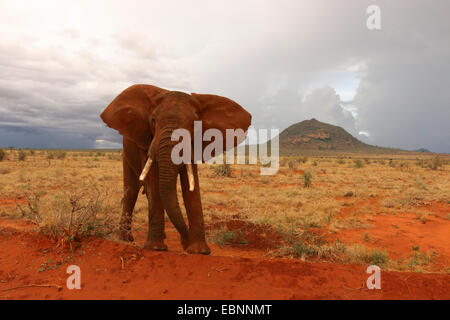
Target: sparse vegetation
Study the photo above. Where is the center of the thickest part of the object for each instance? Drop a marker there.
(22, 155)
(436, 163)
(224, 237)
(332, 200)
(358, 163)
(2, 154)
(222, 170)
(307, 179)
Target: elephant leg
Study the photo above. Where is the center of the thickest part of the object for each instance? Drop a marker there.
(193, 204)
(156, 234)
(131, 188)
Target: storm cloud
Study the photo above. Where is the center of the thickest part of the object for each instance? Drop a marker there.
(284, 61)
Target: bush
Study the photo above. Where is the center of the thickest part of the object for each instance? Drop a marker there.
(57, 155)
(61, 155)
(302, 159)
(225, 236)
(222, 170)
(2, 154)
(22, 155)
(307, 177)
(436, 163)
(358, 163)
(291, 165)
(72, 216)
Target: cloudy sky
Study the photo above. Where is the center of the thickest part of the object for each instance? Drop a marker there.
(62, 62)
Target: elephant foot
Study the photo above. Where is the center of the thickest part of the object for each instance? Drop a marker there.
(126, 236)
(198, 248)
(156, 245)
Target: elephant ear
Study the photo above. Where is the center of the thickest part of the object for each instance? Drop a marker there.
(128, 113)
(221, 113)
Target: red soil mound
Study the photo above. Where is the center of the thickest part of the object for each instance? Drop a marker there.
(113, 270)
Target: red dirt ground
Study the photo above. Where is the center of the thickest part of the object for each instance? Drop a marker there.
(398, 234)
(114, 270)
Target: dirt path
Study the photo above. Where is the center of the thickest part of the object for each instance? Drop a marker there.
(113, 270)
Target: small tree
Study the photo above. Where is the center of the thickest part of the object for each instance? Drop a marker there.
(2, 154)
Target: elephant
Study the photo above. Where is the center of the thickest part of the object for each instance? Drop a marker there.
(146, 116)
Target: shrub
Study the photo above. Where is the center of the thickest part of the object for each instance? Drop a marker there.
(378, 258)
(22, 155)
(404, 165)
(307, 177)
(436, 163)
(77, 215)
(2, 154)
(291, 164)
(358, 163)
(222, 170)
(61, 155)
(57, 155)
(302, 159)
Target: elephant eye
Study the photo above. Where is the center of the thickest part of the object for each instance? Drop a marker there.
(153, 122)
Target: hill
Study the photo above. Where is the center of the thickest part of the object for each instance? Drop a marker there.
(313, 135)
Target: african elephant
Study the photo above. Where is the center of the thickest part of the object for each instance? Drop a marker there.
(146, 116)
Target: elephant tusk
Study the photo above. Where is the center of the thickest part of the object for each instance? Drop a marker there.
(190, 174)
(146, 169)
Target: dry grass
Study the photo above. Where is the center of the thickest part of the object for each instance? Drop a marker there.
(77, 193)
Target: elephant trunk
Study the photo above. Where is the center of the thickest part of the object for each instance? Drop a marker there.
(168, 174)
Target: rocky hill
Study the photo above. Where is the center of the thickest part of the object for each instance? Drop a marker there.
(313, 135)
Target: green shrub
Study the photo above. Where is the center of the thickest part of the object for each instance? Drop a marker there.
(358, 163)
(225, 236)
(378, 258)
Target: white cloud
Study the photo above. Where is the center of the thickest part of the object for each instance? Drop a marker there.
(284, 61)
